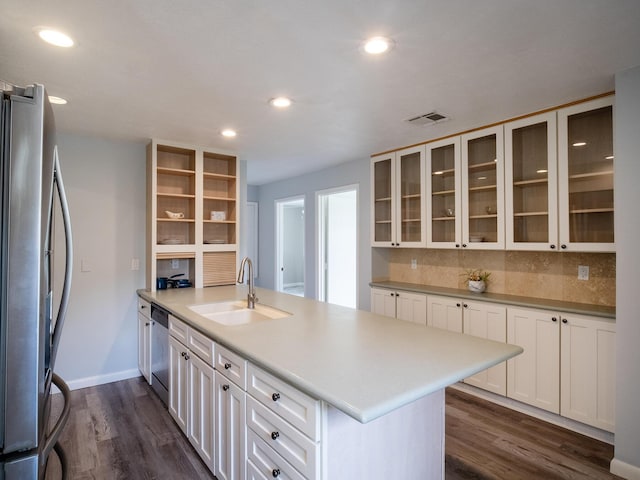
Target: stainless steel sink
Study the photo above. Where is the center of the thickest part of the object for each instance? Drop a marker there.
(235, 312)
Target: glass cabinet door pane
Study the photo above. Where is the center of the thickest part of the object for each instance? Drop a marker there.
(482, 190)
(443, 194)
(530, 184)
(410, 199)
(590, 173)
(382, 200)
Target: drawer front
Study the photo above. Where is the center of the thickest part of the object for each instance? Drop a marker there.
(264, 462)
(178, 329)
(144, 307)
(202, 346)
(297, 408)
(287, 441)
(232, 366)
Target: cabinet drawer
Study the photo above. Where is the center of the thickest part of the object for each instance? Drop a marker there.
(202, 346)
(288, 442)
(299, 409)
(232, 366)
(178, 329)
(144, 307)
(264, 462)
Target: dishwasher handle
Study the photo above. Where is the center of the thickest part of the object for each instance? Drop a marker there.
(160, 315)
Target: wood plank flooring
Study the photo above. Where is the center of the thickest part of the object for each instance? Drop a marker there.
(488, 441)
(122, 431)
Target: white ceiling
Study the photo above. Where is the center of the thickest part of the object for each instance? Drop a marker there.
(183, 70)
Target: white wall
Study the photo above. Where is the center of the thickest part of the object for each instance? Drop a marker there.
(105, 183)
(293, 245)
(627, 230)
(356, 172)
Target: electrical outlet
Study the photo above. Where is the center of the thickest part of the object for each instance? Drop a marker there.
(414, 264)
(583, 272)
(175, 264)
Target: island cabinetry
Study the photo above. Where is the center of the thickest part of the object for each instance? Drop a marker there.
(483, 189)
(411, 307)
(398, 193)
(286, 424)
(192, 387)
(588, 379)
(531, 183)
(145, 324)
(192, 214)
(444, 210)
(585, 176)
(533, 377)
(230, 421)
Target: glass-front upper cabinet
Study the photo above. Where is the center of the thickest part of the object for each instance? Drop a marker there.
(531, 183)
(585, 176)
(483, 189)
(397, 195)
(444, 200)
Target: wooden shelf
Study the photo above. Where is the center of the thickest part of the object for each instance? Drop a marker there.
(448, 171)
(592, 210)
(413, 195)
(383, 199)
(220, 176)
(444, 192)
(172, 255)
(222, 199)
(525, 183)
(220, 221)
(482, 188)
(484, 165)
(382, 221)
(410, 220)
(176, 195)
(476, 217)
(590, 175)
(531, 214)
(175, 171)
(443, 219)
(176, 220)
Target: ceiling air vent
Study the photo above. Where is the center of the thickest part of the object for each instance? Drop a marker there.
(428, 119)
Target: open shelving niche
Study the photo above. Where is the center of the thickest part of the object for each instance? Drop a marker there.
(202, 187)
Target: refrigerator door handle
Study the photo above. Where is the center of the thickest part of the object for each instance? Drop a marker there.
(66, 220)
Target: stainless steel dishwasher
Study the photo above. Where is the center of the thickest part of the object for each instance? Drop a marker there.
(160, 352)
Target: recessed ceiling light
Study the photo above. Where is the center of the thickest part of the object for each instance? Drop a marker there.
(57, 100)
(227, 132)
(55, 37)
(377, 45)
(280, 102)
(579, 144)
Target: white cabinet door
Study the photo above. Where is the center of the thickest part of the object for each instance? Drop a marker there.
(144, 346)
(486, 320)
(531, 198)
(178, 383)
(201, 400)
(483, 189)
(411, 307)
(445, 313)
(230, 430)
(383, 302)
(383, 202)
(533, 377)
(409, 202)
(588, 369)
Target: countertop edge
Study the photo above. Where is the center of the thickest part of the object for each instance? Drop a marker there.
(513, 300)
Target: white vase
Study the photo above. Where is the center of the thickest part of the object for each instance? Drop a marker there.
(477, 286)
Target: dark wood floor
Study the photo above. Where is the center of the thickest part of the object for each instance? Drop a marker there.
(122, 431)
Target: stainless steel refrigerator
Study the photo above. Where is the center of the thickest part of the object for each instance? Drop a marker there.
(30, 324)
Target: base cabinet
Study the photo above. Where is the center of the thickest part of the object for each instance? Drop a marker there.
(444, 313)
(230, 428)
(202, 405)
(145, 324)
(178, 383)
(587, 388)
(411, 307)
(533, 377)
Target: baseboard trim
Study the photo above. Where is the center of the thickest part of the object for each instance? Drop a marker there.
(100, 379)
(624, 470)
(538, 413)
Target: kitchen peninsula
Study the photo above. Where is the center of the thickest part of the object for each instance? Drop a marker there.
(377, 383)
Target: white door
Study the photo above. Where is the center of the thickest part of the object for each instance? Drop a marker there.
(411, 307)
(201, 408)
(444, 313)
(290, 251)
(337, 245)
(178, 383)
(230, 430)
(383, 302)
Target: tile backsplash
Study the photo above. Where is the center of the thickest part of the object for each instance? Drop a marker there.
(550, 275)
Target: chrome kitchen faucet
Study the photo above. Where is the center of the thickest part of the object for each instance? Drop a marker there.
(251, 296)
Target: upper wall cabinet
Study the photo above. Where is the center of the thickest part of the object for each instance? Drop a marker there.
(483, 189)
(585, 176)
(444, 198)
(192, 214)
(398, 194)
(531, 201)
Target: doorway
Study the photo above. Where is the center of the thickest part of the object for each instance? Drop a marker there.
(290, 246)
(338, 245)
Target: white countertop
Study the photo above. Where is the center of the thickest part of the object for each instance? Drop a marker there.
(363, 364)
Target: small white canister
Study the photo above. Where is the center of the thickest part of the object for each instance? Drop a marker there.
(218, 216)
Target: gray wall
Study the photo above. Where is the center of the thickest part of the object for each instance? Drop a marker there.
(293, 246)
(627, 199)
(105, 183)
(356, 172)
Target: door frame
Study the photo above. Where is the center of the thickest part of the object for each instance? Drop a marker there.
(279, 205)
(320, 243)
